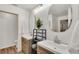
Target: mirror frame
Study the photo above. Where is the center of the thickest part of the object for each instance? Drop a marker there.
(69, 17)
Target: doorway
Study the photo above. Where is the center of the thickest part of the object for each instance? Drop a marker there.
(8, 29)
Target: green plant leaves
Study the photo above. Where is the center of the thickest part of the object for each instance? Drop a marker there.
(38, 23)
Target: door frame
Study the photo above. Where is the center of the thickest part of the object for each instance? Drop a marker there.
(17, 28)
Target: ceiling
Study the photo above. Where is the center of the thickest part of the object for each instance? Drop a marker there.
(55, 9)
(28, 7)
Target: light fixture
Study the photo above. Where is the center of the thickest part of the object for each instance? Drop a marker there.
(40, 8)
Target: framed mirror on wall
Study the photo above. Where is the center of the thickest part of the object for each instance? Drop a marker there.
(60, 17)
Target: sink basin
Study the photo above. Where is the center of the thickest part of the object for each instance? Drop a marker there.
(58, 41)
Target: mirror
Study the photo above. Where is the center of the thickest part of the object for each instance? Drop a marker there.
(59, 17)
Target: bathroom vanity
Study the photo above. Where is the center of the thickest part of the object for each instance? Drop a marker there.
(41, 50)
(49, 47)
(26, 44)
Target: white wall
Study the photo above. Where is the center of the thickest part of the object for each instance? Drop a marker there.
(31, 23)
(64, 36)
(23, 16)
(43, 16)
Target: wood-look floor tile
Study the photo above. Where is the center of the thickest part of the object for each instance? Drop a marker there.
(9, 50)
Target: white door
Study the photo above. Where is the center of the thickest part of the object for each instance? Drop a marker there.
(8, 29)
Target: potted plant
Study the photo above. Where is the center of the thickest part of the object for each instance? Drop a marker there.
(38, 23)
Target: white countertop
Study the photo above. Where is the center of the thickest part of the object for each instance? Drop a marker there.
(27, 36)
(53, 47)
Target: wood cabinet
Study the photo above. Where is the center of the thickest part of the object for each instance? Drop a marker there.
(41, 50)
(26, 45)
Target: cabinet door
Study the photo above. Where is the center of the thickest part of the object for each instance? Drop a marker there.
(26, 46)
(41, 50)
